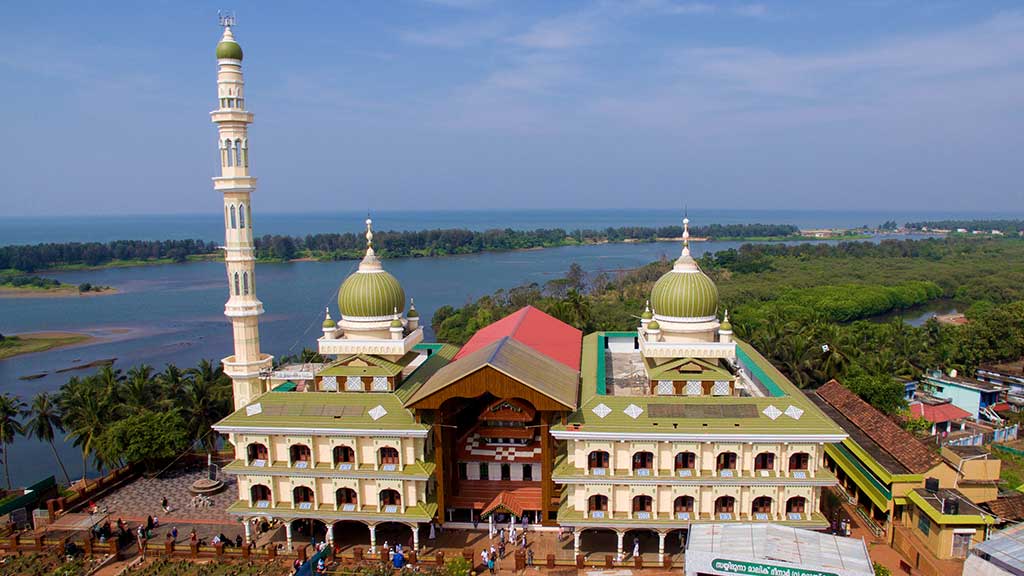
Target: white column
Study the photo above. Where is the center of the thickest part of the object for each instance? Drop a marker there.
(330, 533)
(618, 547)
(248, 530)
(576, 542)
(661, 546)
(416, 537)
(373, 538)
(288, 533)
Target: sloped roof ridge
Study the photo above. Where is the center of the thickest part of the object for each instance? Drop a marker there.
(897, 442)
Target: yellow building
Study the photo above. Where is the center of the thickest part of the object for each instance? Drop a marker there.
(680, 424)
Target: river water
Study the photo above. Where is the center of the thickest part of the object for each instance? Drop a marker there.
(173, 313)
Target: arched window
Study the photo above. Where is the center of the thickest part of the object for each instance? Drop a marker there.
(227, 148)
(346, 499)
(388, 458)
(256, 454)
(245, 283)
(796, 505)
(643, 506)
(725, 505)
(597, 503)
(233, 220)
(241, 215)
(245, 153)
(237, 291)
(685, 462)
(764, 461)
(597, 462)
(259, 496)
(302, 495)
(344, 457)
(390, 500)
(248, 214)
(799, 461)
(726, 461)
(683, 507)
(238, 152)
(762, 505)
(643, 463)
(300, 455)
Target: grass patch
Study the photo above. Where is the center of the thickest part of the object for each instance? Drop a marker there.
(14, 345)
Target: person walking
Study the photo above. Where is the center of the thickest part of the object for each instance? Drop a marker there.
(165, 505)
(529, 556)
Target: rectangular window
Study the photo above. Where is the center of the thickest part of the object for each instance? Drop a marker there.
(463, 473)
(484, 472)
(528, 472)
(924, 524)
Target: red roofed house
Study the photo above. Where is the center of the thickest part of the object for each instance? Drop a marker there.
(493, 405)
(942, 414)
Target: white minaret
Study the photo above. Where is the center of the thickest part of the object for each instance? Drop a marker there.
(242, 308)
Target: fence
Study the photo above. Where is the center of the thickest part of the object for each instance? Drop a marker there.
(1007, 434)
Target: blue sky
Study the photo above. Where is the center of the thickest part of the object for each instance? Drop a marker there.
(450, 104)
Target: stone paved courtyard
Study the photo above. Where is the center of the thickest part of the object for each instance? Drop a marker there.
(141, 498)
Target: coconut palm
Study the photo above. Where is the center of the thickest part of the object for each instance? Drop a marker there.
(11, 407)
(43, 419)
(172, 383)
(206, 400)
(87, 413)
(137, 391)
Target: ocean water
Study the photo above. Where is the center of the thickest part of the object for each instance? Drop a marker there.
(210, 226)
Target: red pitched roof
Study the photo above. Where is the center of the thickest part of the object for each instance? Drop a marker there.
(535, 329)
(1008, 508)
(945, 412)
(1001, 407)
(896, 441)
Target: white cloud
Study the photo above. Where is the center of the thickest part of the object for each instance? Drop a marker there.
(751, 10)
(572, 31)
(457, 36)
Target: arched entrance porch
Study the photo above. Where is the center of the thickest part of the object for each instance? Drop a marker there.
(348, 534)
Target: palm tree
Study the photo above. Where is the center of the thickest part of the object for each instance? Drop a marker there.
(137, 390)
(172, 385)
(87, 413)
(205, 402)
(10, 428)
(44, 418)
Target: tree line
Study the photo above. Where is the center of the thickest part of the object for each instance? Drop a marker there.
(118, 418)
(1006, 226)
(349, 245)
(29, 258)
(809, 308)
(400, 244)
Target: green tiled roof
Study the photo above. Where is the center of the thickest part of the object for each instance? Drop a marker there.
(694, 410)
(422, 512)
(324, 410)
(670, 370)
(376, 366)
(442, 354)
(569, 517)
(416, 470)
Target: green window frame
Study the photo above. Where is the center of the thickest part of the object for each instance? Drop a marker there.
(924, 524)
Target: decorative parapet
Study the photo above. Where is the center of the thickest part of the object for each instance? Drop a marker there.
(371, 346)
(686, 349)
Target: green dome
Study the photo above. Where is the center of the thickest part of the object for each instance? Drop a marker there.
(685, 294)
(413, 313)
(330, 323)
(646, 315)
(653, 325)
(371, 294)
(228, 49)
(396, 323)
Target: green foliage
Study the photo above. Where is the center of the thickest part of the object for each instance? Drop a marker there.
(919, 425)
(29, 258)
(27, 281)
(805, 307)
(147, 438)
(1004, 226)
(11, 407)
(457, 566)
(84, 287)
(881, 570)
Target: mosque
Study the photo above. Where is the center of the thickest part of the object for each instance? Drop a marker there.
(651, 431)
